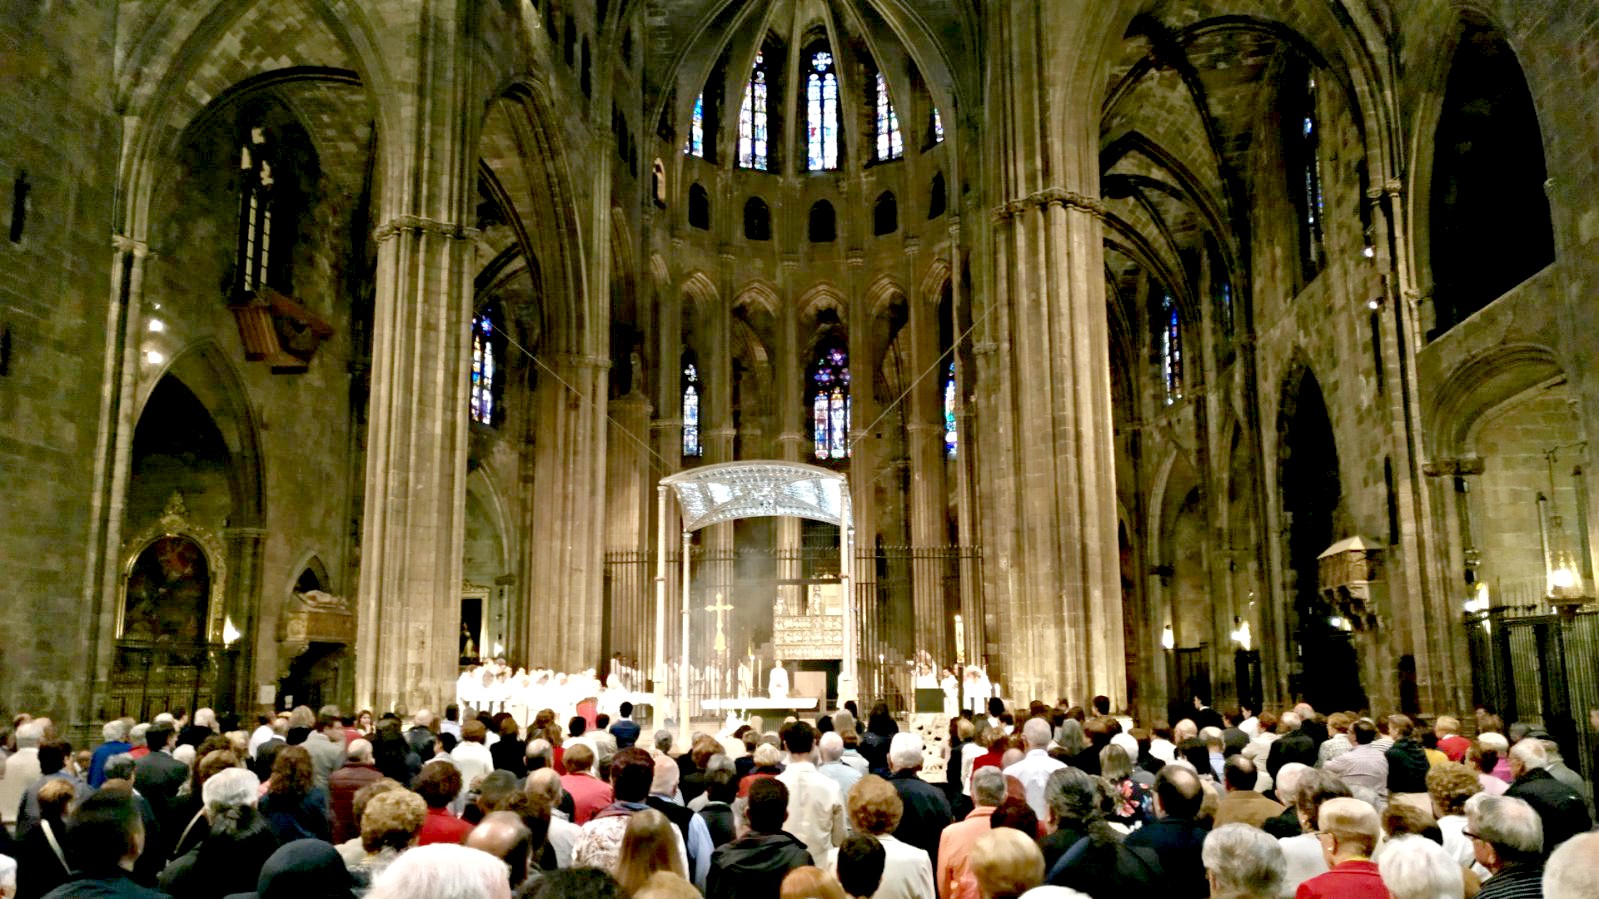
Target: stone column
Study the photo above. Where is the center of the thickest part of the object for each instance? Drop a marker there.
(409, 611)
(1057, 531)
(863, 409)
(568, 499)
(929, 501)
(629, 496)
(789, 382)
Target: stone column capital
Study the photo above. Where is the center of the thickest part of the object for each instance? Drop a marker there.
(124, 244)
(419, 224)
(1047, 197)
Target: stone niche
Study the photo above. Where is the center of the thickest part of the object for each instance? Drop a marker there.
(315, 617)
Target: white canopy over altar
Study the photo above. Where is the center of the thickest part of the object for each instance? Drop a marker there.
(713, 494)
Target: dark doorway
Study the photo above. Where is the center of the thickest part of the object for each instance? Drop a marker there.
(1324, 671)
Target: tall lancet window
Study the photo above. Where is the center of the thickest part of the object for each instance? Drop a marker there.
(696, 129)
(890, 145)
(938, 126)
(485, 368)
(951, 431)
(821, 113)
(691, 410)
(752, 119)
(830, 404)
(1305, 171)
(1171, 349)
(255, 213)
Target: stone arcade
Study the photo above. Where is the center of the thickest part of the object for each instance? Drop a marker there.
(343, 343)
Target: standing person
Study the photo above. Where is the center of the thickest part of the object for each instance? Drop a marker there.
(589, 793)
(343, 784)
(1242, 862)
(1560, 808)
(1364, 766)
(625, 729)
(439, 784)
(1450, 742)
(471, 756)
(158, 775)
(755, 864)
(1349, 831)
(648, 846)
(875, 809)
(237, 841)
(1508, 839)
(1407, 764)
(632, 774)
(41, 864)
(1006, 864)
(1175, 835)
(721, 788)
(326, 744)
(955, 844)
(831, 750)
(926, 811)
(115, 737)
(1036, 766)
(691, 828)
(54, 765)
(510, 753)
(815, 803)
(1242, 804)
(294, 805)
(104, 839)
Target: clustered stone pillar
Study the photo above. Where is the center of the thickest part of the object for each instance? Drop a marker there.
(408, 617)
(1050, 439)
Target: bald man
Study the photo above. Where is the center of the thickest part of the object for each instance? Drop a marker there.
(544, 785)
(504, 836)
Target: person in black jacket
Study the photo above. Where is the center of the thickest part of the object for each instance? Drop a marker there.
(158, 776)
(40, 865)
(927, 811)
(104, 838)
(721, 788)
(1561, 808)
(1407, 761)
(755, 864)
(1099, 863)
(1295, 745)
(1175, 836)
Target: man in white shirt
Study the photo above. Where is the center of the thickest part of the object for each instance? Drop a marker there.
(1036, 766)
(1251, 724)
(815, 803)
(21, 770)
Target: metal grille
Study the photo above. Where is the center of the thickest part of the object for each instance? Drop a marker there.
(1532, 665)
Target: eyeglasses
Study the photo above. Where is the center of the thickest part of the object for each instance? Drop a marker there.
(1469, 835)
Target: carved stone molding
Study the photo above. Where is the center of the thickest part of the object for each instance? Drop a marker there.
(1050, 196)
(125, 244)
(417, 224)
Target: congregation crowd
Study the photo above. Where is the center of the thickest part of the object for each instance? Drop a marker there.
(1050, 802)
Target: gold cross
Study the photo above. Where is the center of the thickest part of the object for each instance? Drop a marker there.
(719, 608)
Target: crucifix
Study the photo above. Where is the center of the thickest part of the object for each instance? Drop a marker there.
(721, 636)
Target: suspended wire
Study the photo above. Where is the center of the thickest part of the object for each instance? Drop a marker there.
(938, 365)
(663, 467)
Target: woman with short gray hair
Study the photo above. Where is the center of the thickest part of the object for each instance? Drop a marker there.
(1414, 867)
(1243, 861)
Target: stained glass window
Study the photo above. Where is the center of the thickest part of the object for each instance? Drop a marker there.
(255, 212)
(1310, 201)
(821, 113)
(1171, 349)
(752, 119)
(830, 404)
(951, 434)
(890, 145)
(696, 129)
(691, 410)
(938, 126)
(483, 368)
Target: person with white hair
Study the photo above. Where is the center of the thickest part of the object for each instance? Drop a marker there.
(1507, 837)
(927, 810)
(696, 837)
(1573, 869)
(1349, 832)
(1243, 862)
(831, 750)
(1036, 766)
(21, 771)
(443, 871)
(1562, 809)
(1286, 786)
(1414, 867)
(237, 843)
(114, 741)
(357, 771)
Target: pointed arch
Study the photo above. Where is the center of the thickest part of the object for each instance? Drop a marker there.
(204, 369)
